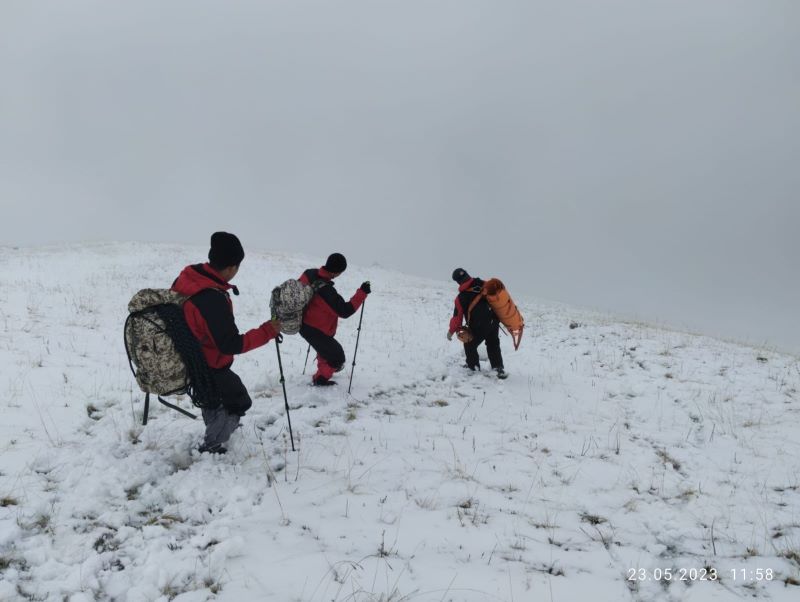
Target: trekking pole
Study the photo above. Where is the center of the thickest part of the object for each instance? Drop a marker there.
(358, 336)
(278, 340)
(306, 363)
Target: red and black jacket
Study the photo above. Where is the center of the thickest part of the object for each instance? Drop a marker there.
(481, 314)
(209, 314)
(327, 306)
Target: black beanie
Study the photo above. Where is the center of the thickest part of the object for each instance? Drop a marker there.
(336, 263)
(460, 275)
(226, 250)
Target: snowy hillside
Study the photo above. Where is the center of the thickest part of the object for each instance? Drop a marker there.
(613, 450)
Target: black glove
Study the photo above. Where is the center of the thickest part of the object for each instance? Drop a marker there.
(366, 287)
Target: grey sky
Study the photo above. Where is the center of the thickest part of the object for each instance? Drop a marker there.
(636, 156)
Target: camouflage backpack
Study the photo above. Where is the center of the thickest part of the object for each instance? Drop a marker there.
(164, 356)
(289, 300)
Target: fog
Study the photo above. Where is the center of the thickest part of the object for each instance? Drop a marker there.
(639, 157)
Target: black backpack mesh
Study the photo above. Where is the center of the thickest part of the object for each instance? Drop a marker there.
(201, 387)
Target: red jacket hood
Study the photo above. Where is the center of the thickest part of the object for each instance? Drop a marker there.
(324, 274)
(464, 286)
(198, 277)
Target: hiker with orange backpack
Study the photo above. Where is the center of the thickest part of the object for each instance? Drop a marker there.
(482, 306)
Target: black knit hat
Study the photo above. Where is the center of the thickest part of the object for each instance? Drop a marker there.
(225, 251)
(336, 263)
(460, 275)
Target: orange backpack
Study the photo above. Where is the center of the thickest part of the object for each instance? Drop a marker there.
(496, 295)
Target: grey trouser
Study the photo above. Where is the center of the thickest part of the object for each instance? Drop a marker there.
(223, 420)
(219, 426)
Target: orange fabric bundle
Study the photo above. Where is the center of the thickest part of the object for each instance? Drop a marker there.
(504, 308)
(464, 335)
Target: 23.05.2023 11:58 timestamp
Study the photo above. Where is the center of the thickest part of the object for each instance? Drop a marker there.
(699, 574)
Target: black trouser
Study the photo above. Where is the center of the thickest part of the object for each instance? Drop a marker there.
(232, 392)
(489, 332)
(325, 345)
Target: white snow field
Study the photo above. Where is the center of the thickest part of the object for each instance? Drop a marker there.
(613, 451)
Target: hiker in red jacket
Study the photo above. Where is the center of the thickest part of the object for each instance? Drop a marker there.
(481, 323)
(209, 314)
(322, 316)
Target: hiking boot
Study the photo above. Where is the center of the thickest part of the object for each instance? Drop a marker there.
(502, 374)
(217, 448)
(472, 368)
(321, 381)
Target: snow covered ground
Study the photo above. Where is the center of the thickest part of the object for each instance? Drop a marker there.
(613, 450)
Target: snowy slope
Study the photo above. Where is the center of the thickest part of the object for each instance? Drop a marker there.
(612, 449)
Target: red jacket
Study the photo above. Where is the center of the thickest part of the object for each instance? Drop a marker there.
(209, 314)
(327, 306)
(458, 312)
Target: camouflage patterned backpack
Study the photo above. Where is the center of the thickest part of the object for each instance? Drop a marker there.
(289, 300)
(163, 354)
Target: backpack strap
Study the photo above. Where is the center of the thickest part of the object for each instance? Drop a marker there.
(480, 295)
(315, 281)
(319, 284)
